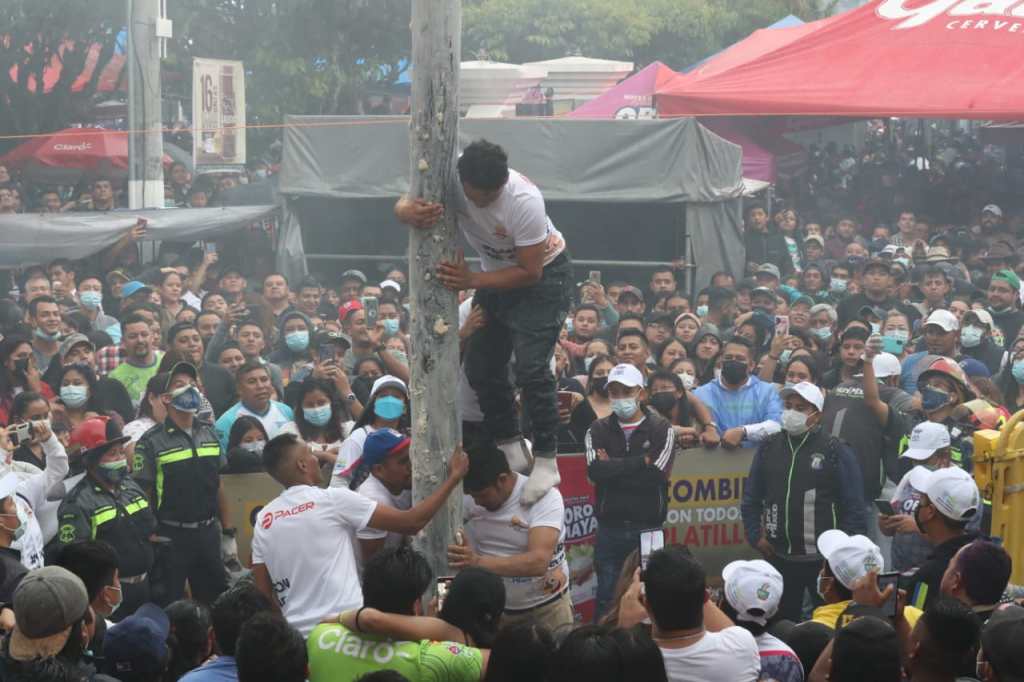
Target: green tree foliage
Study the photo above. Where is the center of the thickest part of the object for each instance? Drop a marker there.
(677, 32)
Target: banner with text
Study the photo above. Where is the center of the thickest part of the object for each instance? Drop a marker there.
(218, 112)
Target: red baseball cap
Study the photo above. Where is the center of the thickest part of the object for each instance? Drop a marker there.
(347, 308)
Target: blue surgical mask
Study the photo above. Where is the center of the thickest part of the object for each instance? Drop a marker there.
(1018, 371)
(892, 344)
(838, 285)
(187, 399)
(40, 334)
(317, 416)
(254, 446)
(297, 341)
(702, 311)
(625, 408)
(91, 299)
(823, 333)
(74, 396)
(401, 357)
(933, 399)
(876, 328)
(389, 407)
(970, 336)
(390, 327)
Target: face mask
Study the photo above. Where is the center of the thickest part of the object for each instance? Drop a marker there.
(891, 344)
(600, 385)
(389, 407)
(297, 341)
(970, 337)
(663, 403)
(588, 361)
(40, 334)
(689, 381)
(113, 472)
(702, 311)
(905, 262)
(625, 408)
(319, 416)
(91, 299)
(74, 396)
(401, 357)
(734, 372)
(793, 422)
(932, 399)
(837, 285)
(113, 605)
(255, 446)
(187, 399)
(1018, 371)
(390, 327)
(823, 333)
(20, 529)
(784, 356)
(819, 587)
(876, 328)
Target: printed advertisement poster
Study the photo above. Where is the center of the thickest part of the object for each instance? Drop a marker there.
(580, 527)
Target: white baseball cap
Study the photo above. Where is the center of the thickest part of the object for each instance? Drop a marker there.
(944, 319)
(993, 209)
(925, 439)
(808, 392)
(388, 381)
(754, 589)
(953, 492)
(627, 375)
(886, 365)
(982, 316)
(392, 284)
(850, 556)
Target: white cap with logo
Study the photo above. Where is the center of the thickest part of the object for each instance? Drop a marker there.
(627, 375)
(925, 439)
(850, 556)
(944, 319)
(886, 365)
(808, 392)
(953, 492)
(754, 589)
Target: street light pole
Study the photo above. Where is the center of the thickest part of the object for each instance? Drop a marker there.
(433, 142)
(145, 137)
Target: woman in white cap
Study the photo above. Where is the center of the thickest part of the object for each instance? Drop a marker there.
(388, 408)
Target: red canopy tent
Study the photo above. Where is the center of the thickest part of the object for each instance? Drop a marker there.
(109, 79)
(912, 58)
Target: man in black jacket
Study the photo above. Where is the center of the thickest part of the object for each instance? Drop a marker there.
(765, 245)
(802, 482)
(629, 457)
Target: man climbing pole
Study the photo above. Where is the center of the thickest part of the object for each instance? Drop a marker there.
(524, 290)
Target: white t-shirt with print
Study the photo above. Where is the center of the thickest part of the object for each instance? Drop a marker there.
(377, 492)
(516, 218)
(731, 654)
(306, 538)
(349, 455)
(506, 532)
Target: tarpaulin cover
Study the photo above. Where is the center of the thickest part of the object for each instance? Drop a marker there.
(39, 238)
(912, 58)
(588, 170)
(592, 161)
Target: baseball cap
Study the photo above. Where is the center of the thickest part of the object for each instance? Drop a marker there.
(762, 291)
(631, 291)
(117, 274)
(876, 264)
(754, 589)
(993, 209)
(391, 284)
(886, 365)
(888, 250)
(936, 254)
(335, 338)
(626, 375)
(96, 435)
(1008, 276)
(849, 556)
(867, 311)
(137, 645)
(814, 238)
(973, 367)
(953, 492)
(925, 439)
(354, 274)
(768, 269)
(135, 287)
(383, 443)
(347, 308)
(388, 381)
(181, 367)
(73, 340)
(982, 316)
(47, 602)
(944, 319)
(1000, 642)
(807, 391)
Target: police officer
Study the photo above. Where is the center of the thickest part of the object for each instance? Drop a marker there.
(108, 505)
(179, 463)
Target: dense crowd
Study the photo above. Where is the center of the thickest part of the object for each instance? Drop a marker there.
(856, 359)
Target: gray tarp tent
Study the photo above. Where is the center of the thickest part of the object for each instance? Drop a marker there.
(39, 238)
(618, 190)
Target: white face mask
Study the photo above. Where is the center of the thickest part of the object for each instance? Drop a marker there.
(689, 381)
(794, 423)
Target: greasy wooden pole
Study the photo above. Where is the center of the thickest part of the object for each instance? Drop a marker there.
(433, 137)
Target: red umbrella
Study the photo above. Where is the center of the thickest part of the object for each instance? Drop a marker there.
(67, 156)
